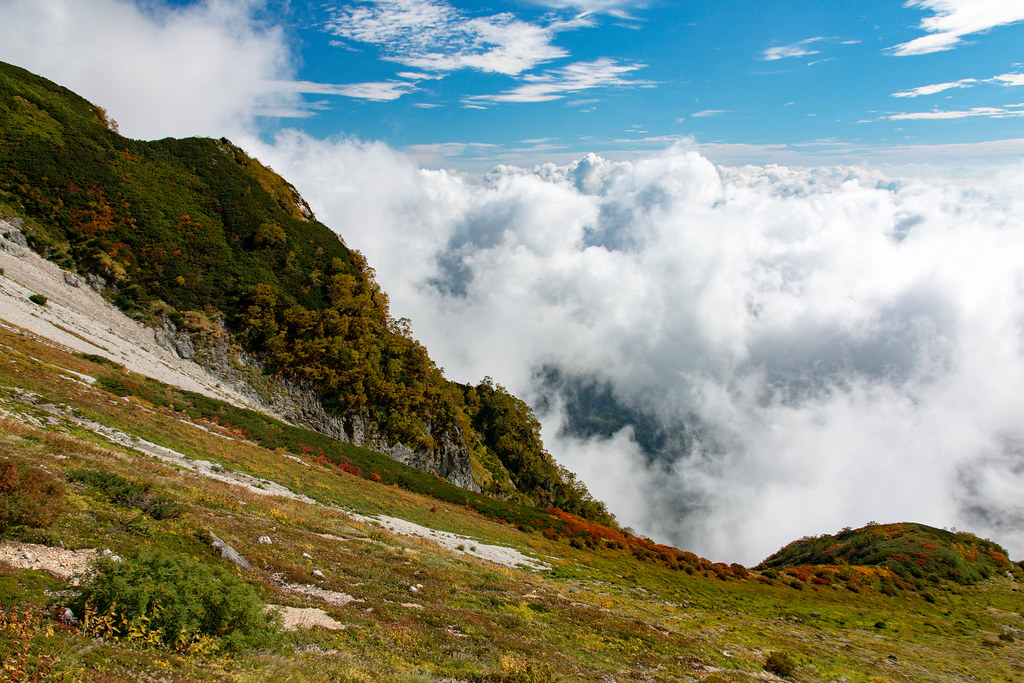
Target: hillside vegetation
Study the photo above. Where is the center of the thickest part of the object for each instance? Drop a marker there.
(80, 473)
(915, 553)
(196, 232)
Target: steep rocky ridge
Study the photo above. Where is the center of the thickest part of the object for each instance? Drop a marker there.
(215, 349)
(207, 360)
(223, 258)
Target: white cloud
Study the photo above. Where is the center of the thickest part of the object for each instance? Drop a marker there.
(441, 153)
(709, 112)
(799, 49)
(616, 8)
(936, 88)
(201, 69)
(988, 112)
(809, 328)
(1009, 79)
(574, 78)
(951, 20)
(419, 76)
(1006, 80)
(435, 36)
(383, 91)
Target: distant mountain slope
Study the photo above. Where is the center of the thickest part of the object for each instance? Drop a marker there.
(197, 234)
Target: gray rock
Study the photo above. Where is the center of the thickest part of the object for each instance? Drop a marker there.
(265, 540)
(73, 280)
(229, 553)
(15, 235)
(318, 574)
(97, 282)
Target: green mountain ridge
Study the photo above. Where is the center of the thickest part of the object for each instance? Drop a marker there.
(193, 231)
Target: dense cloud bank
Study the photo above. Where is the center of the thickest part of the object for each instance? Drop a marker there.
(730, 357)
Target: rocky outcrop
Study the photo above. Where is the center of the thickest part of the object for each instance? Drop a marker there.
(209, 344)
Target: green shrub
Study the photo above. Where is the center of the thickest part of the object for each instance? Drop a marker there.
(122, 491)
(28, 496)
(37, 299)
(159, 599)
(514, 670)
(780, 664)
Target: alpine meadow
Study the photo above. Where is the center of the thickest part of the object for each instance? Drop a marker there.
(546, 340)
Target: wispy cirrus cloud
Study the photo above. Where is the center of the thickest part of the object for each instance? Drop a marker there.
(1010, 111)
(1006, 80)
(936, 88)
(799, 49)
(619, 9)
(708, 112)
(608, 6)
(557, 83)
(435, 36)
(377, 91)
(951, 20)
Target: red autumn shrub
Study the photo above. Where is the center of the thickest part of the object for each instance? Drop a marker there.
(345, 466)
(28, 496)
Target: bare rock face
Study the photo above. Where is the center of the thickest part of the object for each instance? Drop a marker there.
(12, 239)
(215, 349)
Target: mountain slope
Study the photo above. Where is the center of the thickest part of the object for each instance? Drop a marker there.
(123, 464)
(196, 235)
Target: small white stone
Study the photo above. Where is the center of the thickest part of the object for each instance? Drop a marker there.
(319, 574)
(265, 540)
(307, 556)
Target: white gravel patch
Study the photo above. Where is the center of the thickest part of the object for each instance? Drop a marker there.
(211, 470)
(64, 564)
(465, 545)
(294, 618)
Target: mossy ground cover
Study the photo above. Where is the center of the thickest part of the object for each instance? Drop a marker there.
(600, 610)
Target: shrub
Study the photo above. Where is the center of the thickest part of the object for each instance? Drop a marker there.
(780, 664)
(160, 599)
(513, 670)
(28, 496)
(38, 299)
(122, 491)
(351, 469)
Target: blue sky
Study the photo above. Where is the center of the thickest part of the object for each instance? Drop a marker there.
(453, 81)
(470, 85)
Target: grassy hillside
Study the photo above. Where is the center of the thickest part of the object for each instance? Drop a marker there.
(608, 605)
(195, 231)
